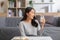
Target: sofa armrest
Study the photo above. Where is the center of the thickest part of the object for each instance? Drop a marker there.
(9, 32)
(49, 25)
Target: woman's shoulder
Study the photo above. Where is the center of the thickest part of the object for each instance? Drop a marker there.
(21, 22)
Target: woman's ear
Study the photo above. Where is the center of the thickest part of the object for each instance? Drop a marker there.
(27, 14)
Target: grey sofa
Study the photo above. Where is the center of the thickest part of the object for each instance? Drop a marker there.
(52, 27)
(9, 28)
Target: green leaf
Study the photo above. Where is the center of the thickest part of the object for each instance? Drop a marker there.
(12, 0)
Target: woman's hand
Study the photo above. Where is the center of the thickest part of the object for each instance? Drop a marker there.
(42, 21)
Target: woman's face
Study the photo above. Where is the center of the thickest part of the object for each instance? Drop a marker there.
(31, 14)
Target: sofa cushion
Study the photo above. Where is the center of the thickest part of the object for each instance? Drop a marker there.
(2, 21)
(7, 33)
(12, 22)
(54, 32)
(51, 20)
(58, 23)
(49, 25)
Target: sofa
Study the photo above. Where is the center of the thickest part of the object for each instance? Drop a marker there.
(52, 27)
(9, 27)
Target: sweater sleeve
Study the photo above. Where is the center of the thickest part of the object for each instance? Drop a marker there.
(38, 28)
(21, 28)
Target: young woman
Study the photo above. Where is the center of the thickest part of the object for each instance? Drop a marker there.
(29, 26)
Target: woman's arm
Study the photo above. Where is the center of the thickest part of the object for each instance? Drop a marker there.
(21, 28)
(39, 29)
(42, 22)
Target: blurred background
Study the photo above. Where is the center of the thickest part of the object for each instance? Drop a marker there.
(16, 7)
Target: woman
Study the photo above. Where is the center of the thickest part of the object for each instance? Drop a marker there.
(29, 26)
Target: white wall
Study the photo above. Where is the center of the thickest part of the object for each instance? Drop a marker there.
(38, 7)
(56, 5)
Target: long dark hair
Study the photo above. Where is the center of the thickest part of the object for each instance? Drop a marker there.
(33, 22)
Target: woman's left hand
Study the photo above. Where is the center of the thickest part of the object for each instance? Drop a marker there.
(42, 21)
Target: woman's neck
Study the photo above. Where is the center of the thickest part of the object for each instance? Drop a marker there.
(28, 20)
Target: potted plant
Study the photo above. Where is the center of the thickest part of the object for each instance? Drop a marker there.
(11, 3)
(12, 0)
(31, 3)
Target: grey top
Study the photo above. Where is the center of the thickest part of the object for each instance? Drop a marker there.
(27, 29)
